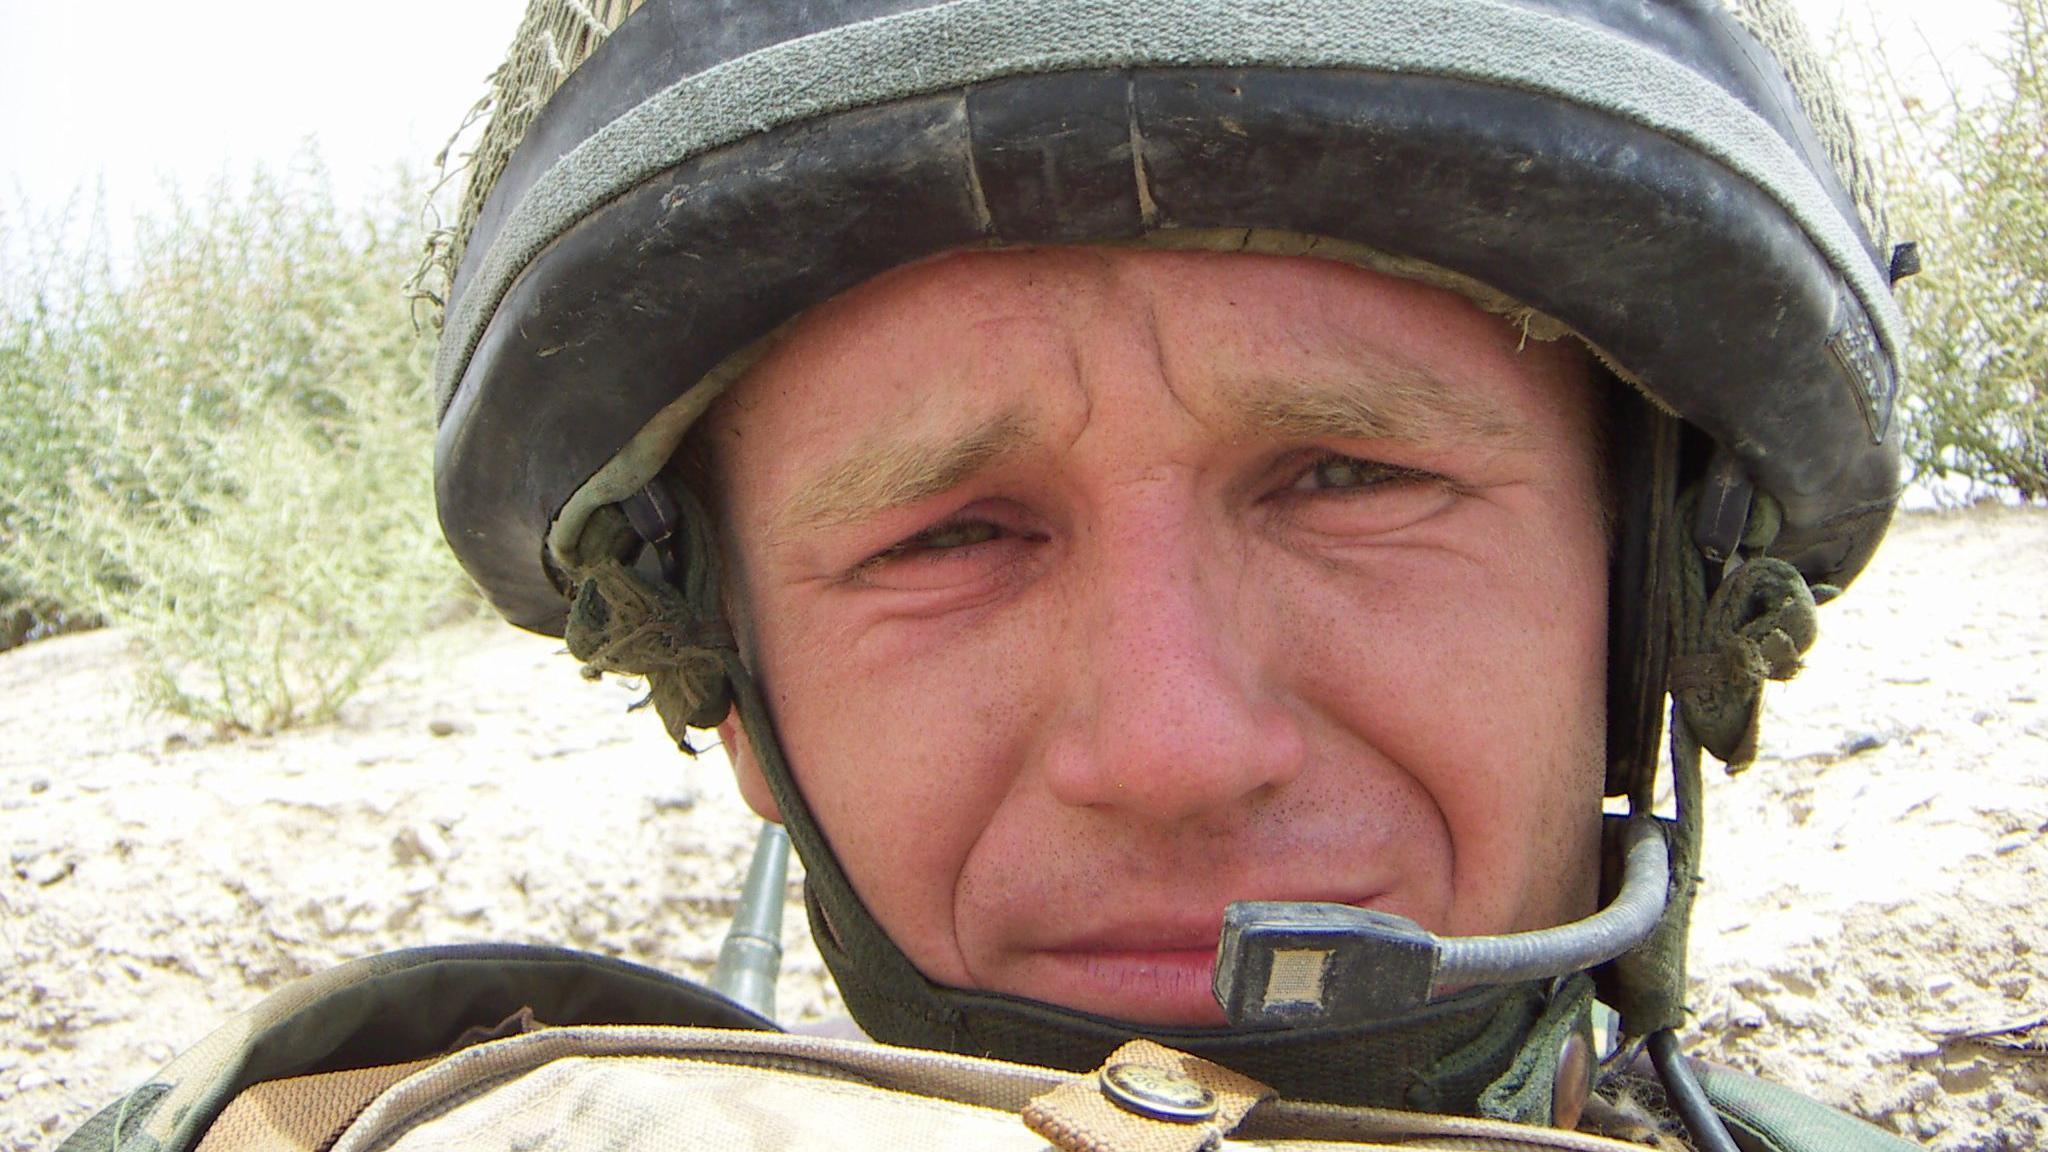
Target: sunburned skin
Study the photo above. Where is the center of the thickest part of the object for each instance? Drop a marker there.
(1093, 590)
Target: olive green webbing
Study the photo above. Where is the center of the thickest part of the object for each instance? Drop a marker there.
(1647, 984)
(1527, 1092)
(1780, 1120)
(390, 1008)
(1753, 627)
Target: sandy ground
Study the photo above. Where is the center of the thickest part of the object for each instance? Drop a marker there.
(1869, 932)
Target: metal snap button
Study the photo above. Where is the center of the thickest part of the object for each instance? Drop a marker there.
(1157, 1092)
(1574, 1081)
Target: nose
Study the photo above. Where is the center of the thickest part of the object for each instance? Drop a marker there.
(1172, 717)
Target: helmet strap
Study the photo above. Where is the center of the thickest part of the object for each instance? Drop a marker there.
(1472, 1051)
(1490, 1051)
(1717, 620)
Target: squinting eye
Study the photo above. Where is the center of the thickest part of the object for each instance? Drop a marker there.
(957, 535)
(1335, 473)
(943, 538)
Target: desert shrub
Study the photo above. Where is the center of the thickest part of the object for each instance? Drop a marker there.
(225, 446)
(32, 431)
(1970, 182)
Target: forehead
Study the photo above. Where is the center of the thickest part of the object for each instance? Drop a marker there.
(979, 343)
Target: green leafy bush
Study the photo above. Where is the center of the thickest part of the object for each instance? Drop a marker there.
(226, 447)
(1970, 182)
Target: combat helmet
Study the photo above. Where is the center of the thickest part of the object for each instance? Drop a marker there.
(663, 184)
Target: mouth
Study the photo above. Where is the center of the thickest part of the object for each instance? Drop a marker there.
(1163, 986)
(1159, 974)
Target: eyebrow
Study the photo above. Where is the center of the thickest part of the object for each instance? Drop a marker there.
(881, 474)
(1393, 402)
(1400, 403)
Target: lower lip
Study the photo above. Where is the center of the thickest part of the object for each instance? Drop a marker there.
(1164, 987)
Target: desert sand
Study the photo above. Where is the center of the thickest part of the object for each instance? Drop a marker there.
(1870, 929)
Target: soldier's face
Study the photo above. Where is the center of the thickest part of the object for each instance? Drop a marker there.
(1092, 590)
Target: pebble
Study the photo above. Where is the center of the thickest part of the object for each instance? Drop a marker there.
(1745, 1015)
(441, 726)
(674, 802)
(39, 785)
(1919, 1049)
(47, 870)
(32, 1080)
(420, 843)
(1795, 1011)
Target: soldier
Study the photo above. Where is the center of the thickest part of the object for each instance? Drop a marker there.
(1189, 514)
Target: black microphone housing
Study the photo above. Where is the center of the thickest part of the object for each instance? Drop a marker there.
(1286, 964)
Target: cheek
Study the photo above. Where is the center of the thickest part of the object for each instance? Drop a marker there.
(905, 763)
(1478, 669)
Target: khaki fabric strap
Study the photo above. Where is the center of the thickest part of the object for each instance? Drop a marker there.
(1102, 1114)
(303, 1113)
(638, 1088)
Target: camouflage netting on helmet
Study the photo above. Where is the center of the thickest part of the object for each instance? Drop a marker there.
(554, 39)
(669, 632)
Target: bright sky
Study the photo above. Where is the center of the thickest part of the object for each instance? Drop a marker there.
(134, 93)
(137, 92)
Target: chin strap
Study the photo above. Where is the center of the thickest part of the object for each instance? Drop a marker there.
(1339, 1039)
(1731, 631)
(1488, 1051)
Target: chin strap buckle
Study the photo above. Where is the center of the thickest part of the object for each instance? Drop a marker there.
(655, 516)
(1722, 516)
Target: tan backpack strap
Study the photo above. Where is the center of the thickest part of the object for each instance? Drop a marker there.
(1146, 1098)
(303, 1113)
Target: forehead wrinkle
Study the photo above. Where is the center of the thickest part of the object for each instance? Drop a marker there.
(1399, 403)
(882, 473)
